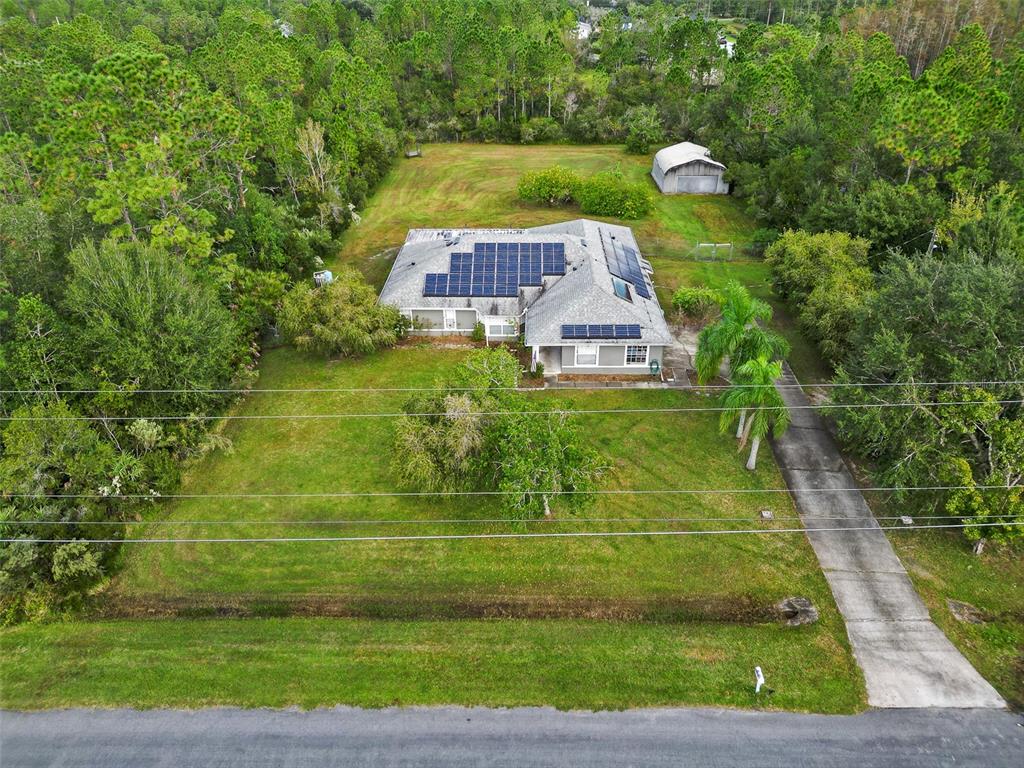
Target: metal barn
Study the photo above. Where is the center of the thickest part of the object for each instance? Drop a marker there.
(687, 168)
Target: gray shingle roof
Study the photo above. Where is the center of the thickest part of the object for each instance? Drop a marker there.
(585, 294)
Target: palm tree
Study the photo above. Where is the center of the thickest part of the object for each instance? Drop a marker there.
(737, 336)
(740, 313)
(754, 390)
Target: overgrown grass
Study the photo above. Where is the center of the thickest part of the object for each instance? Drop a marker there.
(701, 654)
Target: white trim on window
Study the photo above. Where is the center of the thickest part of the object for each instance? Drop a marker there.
(636, 348)
(587, 354)
(501, 330)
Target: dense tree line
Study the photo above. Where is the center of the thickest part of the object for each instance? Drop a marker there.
(167, 172)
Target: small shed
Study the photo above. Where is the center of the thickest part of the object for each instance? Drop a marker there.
(687, 168)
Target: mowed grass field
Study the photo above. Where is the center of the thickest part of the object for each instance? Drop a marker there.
(581, 623)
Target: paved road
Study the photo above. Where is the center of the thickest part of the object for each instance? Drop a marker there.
(454, 737)
(907, 660)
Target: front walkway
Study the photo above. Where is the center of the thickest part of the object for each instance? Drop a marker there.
(906, 659)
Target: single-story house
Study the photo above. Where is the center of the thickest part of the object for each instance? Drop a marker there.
(579, 293)
(688, 168)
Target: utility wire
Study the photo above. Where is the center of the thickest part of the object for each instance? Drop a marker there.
(463, 521)
(596, 492)
(472, 536)
(591, 386)
(551, 412)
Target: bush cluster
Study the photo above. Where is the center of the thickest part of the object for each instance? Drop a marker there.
(697, 303)
(604, 194)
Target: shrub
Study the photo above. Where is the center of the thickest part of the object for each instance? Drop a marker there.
(556, 185)
(75, 566)
(538, 371)
(610, 194)
(478, 333)
(340, 318)
(696, 303)
(540, 129)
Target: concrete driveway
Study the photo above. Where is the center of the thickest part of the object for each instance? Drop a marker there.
(907, 661)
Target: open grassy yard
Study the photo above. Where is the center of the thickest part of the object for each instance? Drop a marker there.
(576, 623)
(573, 622)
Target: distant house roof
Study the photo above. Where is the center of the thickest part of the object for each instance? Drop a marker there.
(588, 292)
(681, 154)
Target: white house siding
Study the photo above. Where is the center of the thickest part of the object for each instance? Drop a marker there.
(611, 360)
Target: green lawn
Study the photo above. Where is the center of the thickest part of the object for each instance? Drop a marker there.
(589, 622)
(943, 568)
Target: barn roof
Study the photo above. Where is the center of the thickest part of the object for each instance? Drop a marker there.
(681, 154)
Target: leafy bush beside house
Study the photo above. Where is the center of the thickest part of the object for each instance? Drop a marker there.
(697, 303)
(340, 318)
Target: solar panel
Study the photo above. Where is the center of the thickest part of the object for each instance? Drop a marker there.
(600, 331)
(435, 284)
(498, 269)
(624, 262)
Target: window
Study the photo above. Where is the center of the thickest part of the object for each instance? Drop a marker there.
(586, 354)
(636, 354)
(621, 289)
(501, 329)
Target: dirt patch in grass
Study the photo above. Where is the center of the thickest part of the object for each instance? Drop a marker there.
(605, 377)
(717, 609)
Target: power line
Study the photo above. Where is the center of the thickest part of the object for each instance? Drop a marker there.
(595, 492)
(465, 521)
(546, 412)
(475, 536)
(591, 386)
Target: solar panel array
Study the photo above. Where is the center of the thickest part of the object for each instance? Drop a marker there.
(624, 262)
(601, 331)
(497, 269)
